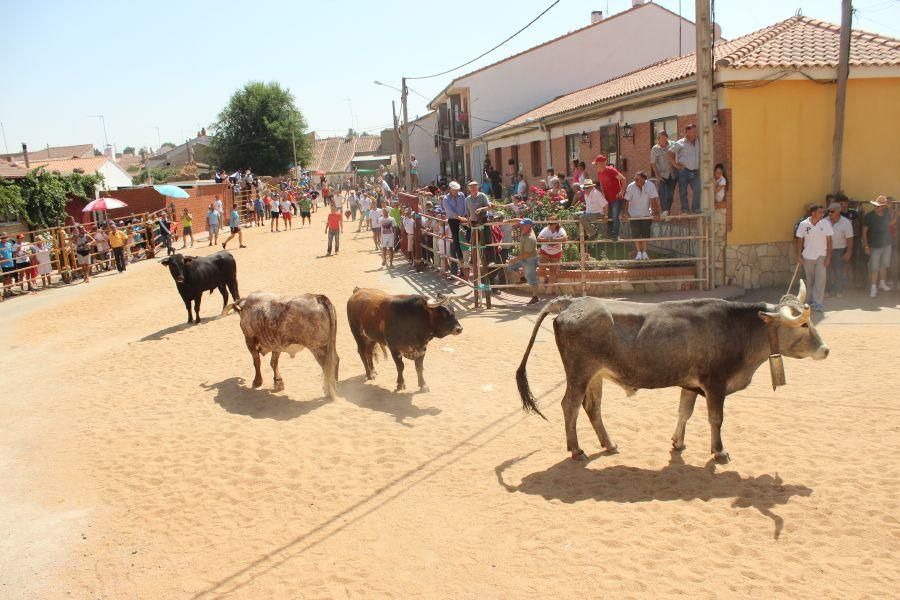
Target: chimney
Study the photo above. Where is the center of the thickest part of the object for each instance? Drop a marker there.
(25, 153)
(109, 153)
(636, 3)
(596, 16)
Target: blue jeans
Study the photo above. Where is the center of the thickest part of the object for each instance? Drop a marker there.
(615, 209)
(689, 177)
(334, 236)
(666, 189)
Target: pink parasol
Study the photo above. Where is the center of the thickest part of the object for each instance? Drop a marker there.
(103, 204)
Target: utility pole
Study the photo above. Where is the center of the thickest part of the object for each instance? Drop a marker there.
(705, 100)
(25, 155)
(3, 129)
(397, 145)
(294, 145)
(407, 176)
(837, 143)
(705, 115)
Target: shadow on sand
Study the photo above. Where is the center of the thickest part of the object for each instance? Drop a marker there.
(374, 397)
(237, 397)
(163, 333)
(570, 481)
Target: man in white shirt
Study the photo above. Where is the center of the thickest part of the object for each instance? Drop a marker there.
(522, 187)
(594, 208)
(642, 205)
(841, 249)
(814, 252)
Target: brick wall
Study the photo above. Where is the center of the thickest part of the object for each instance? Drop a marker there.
(558, 155)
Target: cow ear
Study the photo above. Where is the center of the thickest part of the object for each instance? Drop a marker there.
(768, 317)
(188, 260)
(164, 262)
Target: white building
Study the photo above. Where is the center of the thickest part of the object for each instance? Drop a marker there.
(114, 176)
(423, 144)
(606, 48)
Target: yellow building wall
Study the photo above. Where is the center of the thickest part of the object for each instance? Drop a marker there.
(781, 151)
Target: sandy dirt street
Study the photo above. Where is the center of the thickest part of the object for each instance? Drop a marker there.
(137, 462)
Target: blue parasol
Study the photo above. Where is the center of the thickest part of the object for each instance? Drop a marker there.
(172, 191)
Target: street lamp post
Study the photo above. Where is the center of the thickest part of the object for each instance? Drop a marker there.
(404, 94)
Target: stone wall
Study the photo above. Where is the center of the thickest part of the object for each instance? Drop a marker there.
(760, 265)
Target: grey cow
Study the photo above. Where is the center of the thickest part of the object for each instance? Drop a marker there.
(289, 324)
(710, 347)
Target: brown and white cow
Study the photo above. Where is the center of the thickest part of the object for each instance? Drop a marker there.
(289, 324)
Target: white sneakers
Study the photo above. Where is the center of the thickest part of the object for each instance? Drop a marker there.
(884, 286)
(873, 292)
(642, 256)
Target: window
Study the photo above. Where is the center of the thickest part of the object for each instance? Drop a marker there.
(609, 144)
(573, 150)
(535, 148)
(668, 124)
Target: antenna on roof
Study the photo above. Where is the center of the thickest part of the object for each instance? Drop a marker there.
(799, 12)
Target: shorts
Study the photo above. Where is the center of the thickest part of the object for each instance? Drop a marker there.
(187, 231)
(880, 258)
(8, 270)
(641, 228)
(304, 214)
(213, 229)
(235, 230)
(387, 240)
(260, 212)
(82, 261)
(275, 214)
(286, 216)
(547, 257)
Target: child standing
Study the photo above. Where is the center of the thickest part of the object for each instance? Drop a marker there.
(374, 223)
(42, 256)
(409, 227)
(305, 207)
(387, 225)
(286, 213)
(187, 228)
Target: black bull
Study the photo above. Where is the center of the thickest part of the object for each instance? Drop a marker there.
(194, 275)
(709, 347)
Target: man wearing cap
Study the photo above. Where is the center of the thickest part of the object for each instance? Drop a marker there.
(612, 183)
(684, 156)
(477, 204)
(814, 252)
(876, 236)
(595, 205)
(454, 205)
(528, 257)
(841, 249)
(661, 168)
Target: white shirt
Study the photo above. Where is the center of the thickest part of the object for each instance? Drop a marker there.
(548, 234)
(843, 231)
(218, 205)
(815, 238)
(522, 188)
(285, 206)
(595, 202)
(639, 199)
(365, 203)
(720, 195)
(375, 217)
(409, 225)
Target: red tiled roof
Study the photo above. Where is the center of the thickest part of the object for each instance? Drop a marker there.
(78, 151)
(64, 165)
(332, 155)
(798, 42)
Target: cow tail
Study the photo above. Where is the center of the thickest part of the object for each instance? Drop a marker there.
(234, 306)
(332, 361)
(528, 403)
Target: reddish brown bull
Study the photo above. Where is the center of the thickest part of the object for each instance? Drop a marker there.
(403, 323)
(289, 324)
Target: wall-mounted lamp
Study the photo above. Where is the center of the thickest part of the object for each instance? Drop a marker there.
(628, 132)
(585, 137)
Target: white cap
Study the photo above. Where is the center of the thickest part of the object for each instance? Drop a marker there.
(454, 185)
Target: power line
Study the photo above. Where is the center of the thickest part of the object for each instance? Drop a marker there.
(530, 23)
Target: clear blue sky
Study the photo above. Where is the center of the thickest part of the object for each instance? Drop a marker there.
(175, 64)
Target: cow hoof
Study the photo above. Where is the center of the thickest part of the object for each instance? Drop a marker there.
(279, 385)
(611, 449)
(257, 382)
(424, 389)
(579, 456)
(679, 446)
(722, 457)
(399, 388)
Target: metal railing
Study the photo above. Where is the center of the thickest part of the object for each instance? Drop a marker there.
(675, 241)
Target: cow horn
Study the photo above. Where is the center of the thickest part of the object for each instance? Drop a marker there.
(801, 293)
(440, 301)
(462, 296)
(791, 320)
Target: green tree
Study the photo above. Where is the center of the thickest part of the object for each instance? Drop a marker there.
(128, 150)
(254, 130)
(40, 197)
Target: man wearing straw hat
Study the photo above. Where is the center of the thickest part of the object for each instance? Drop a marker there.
(594, 208)
(876, 236)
